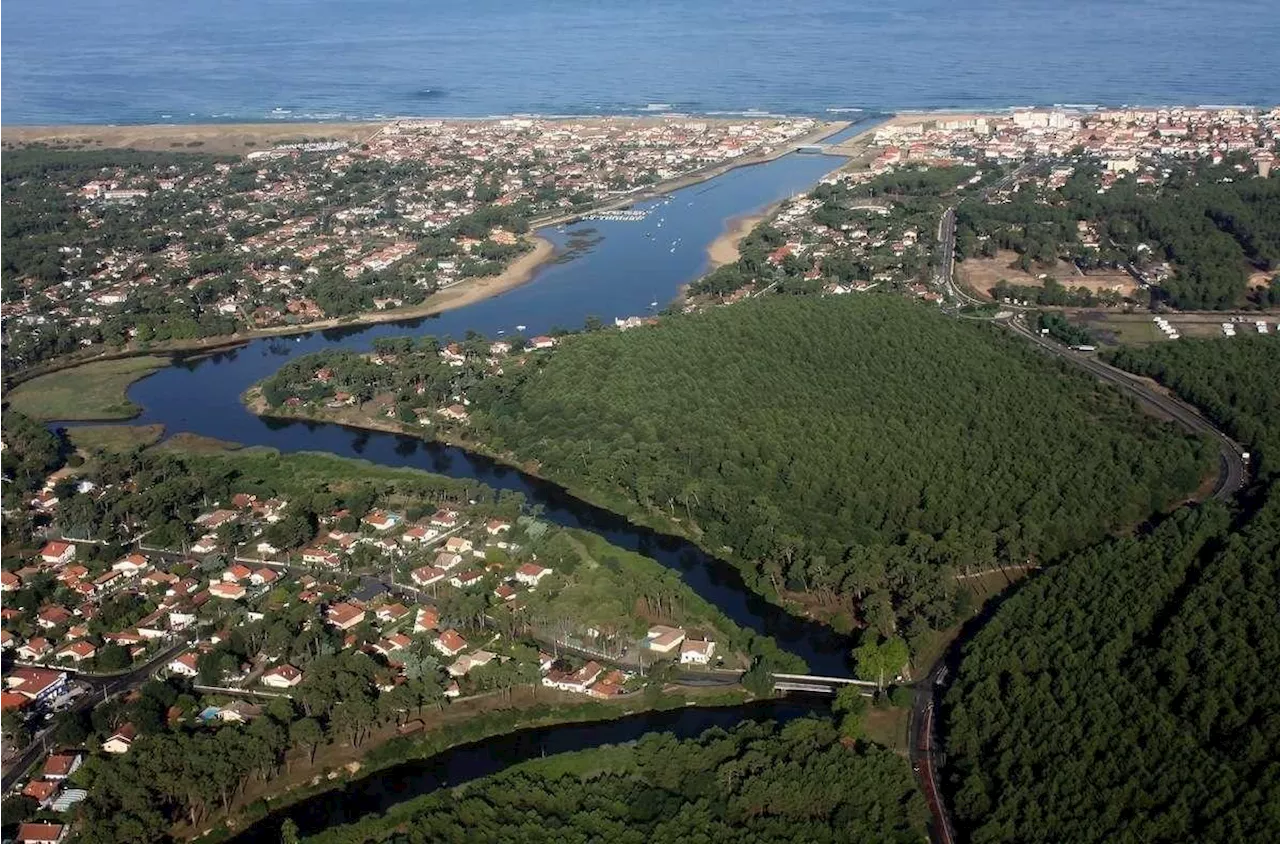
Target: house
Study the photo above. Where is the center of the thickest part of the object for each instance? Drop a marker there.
(78, 651)
(263, 577)
(427, 575)
(131, 566)
(466, 579)
(321, 557)
(40, 833)
(51, 617)
(206, 544)
(390, 613)
(391, 644)
(121, 740)
(228, 591)
(445, 519)
(456, 412)
(457, 545)
(543, 342)
(58, 553)
(663, 639)
(419, 534)
(447, 560)
(344, 616)
(379, 520)
(577, 681)
(282, 677)
(239, 712)
(530, 574)
(693, 652)
(9, 582)
(216, 519)
(184, 665)
(103, 581)
(59, 766)
(36, 684)
(236, 573)
(42, 791)
(426, 619)
(463, 665)
(7, 639)
(494, 527)
(450, 643)
(34, 649)
(504, 592)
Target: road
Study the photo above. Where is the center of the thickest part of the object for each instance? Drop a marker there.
(1233, 470)
(1233, 473)
(100, 688)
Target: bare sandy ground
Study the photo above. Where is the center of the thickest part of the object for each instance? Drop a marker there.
(212, 137)
(724, 249)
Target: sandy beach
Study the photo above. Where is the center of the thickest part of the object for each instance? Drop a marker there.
(207, 137)
(724, 249)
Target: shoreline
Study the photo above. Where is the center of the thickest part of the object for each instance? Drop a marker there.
(458, 295)
(724, 249)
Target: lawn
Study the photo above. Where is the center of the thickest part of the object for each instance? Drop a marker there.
(90, 391)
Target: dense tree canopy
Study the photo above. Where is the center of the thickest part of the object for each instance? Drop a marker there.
(1129, 694)
(860, 446)
(758, 783)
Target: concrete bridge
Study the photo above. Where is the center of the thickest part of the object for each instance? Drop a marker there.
(817, 684)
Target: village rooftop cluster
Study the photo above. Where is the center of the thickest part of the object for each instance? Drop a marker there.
(306, 232)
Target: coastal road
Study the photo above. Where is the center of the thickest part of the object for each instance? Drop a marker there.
(1233, 469)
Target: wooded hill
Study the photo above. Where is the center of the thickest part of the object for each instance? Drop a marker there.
(1129, 694)
(864, 447)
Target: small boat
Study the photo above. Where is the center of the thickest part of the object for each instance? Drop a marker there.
(653, 304)
(501, 331)
(520, 328)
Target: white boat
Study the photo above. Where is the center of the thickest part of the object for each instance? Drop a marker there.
(520, 328)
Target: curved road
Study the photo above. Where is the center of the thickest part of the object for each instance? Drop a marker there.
(1233, 473)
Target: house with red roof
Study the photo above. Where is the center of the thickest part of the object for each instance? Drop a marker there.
(78, 651)
(184, 665)
(531, 574)
(282, 677)
(344, 616)
(40, 833)
(57, 553)
(450, 643)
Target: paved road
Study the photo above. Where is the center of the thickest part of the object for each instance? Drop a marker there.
(1233, 468)
(1233, 473)
(100, 688)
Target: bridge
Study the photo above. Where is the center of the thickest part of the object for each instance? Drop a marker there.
(817, 684)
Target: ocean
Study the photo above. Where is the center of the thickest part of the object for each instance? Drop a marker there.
(146, 61)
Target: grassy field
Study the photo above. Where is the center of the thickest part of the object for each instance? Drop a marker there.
(91, 391)
(115, 437)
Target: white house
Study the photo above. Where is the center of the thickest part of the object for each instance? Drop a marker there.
(696, 653)
(282, 677)
(530, 574)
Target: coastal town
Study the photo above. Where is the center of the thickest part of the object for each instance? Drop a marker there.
(1031, 231)
(107, 248)
(137, 619)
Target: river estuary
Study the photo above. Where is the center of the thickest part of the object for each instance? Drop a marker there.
(607, 269)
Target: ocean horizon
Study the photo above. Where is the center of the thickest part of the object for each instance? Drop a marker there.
(326, 60)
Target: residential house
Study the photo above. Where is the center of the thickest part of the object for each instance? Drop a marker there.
(59, 766)
(578, 681)
(78, 651)
(40, 833)
(693, 652)
(9, 582)
(121, 740)
(427, 618)
(380, 521)
(445, 519)
(236, 573)
(184, 665)
(345, 616)
(450, 643)
(663, 639)
(463, 665)
(494, 527)
(447, 560)
(531, 574)
(58, 553)
(457, 545)
(227, 591)
(462, 580)
(263, 577)
(427, 575)
(42, 791)
(131, 566)
(282, 677)
(34, 649)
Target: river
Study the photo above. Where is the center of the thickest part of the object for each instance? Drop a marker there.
(382, 790)
(609, 269)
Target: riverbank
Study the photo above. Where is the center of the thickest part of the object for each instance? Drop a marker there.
(467, 723)
(355, 419)
(724, 249)
(90, 392)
